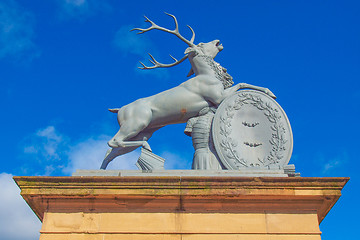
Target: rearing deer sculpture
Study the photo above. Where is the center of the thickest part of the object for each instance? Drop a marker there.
(210, 86)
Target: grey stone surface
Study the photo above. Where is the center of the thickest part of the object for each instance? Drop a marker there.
(250, 130)
(140, 119)
(290, 171)
(194, 173)
(149, 161)
(199, 128)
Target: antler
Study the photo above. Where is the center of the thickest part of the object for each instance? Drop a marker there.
(175, 32)
(161, 65)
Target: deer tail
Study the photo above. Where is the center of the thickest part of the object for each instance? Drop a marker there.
(114, 110)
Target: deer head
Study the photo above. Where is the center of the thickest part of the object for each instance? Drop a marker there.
(209, 49)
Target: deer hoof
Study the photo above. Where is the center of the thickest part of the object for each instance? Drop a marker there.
(268, 92)
(146, 146)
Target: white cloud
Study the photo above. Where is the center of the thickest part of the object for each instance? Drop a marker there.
(46, 151)
(90, 153)
(74, 7)
(46, 144)
(16, 32)
(81, 8)
(17, 221)
(49, 133)
(331, 165)
(30, 149)
(58, 154)
(334, 164)
(78, 3)
(52, 141)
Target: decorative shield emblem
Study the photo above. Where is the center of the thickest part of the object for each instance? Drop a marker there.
(251, 130)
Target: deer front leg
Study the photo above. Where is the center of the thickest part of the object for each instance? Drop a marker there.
(216, 96)
(229, 91)
(261, 89)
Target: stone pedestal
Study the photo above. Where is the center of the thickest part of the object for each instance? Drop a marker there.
(186, 208)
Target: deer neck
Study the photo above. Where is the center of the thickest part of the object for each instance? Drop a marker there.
(201, 64)
(205, 65)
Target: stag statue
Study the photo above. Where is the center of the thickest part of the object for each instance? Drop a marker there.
(210, 86)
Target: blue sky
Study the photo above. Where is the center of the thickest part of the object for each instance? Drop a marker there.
(64, 62)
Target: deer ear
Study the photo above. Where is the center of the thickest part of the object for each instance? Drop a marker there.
(191, 72)
(190, 50)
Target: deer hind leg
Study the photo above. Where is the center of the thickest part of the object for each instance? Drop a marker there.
(133, 121)
(109, 156)
(115, 152)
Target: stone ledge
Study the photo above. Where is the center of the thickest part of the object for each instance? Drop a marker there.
(181, 194)
(181, 173)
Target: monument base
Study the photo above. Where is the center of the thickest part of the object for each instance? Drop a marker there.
(174, 208)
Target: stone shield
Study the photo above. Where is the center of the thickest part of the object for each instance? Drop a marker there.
(251, 130)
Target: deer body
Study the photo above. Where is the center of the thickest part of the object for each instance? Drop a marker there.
(180, 103)
(140, 119)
